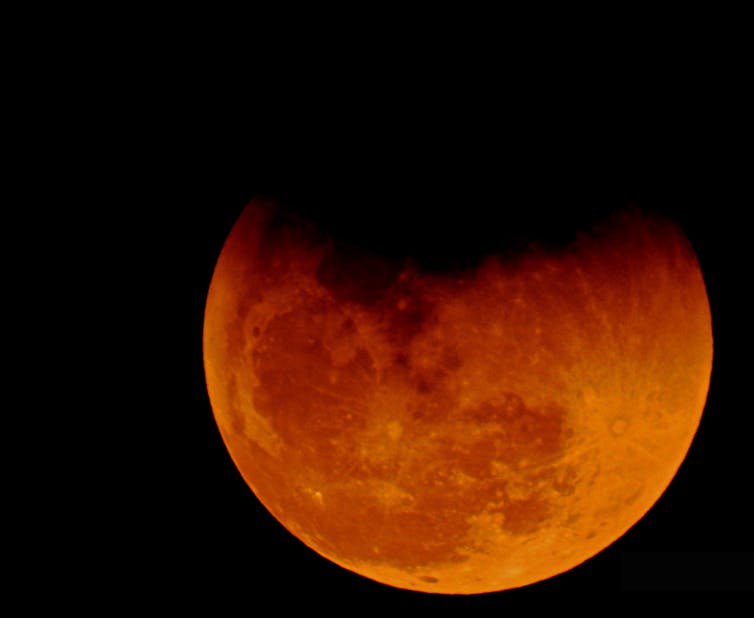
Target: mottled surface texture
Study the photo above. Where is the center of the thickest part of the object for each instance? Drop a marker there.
(465, 433)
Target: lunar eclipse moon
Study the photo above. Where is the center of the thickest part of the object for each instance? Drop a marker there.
(461, 431)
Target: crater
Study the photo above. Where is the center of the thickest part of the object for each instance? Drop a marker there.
(406, 317)
(429, 579)
(619, 426)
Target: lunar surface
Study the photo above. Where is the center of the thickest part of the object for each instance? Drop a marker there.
(457, 433)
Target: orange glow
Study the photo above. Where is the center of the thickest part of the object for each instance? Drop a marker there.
(465, 433)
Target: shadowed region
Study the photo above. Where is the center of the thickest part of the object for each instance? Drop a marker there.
(351, 274)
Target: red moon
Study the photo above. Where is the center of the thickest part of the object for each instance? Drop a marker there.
(457, 433)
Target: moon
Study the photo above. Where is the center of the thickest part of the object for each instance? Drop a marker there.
(457, 432)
